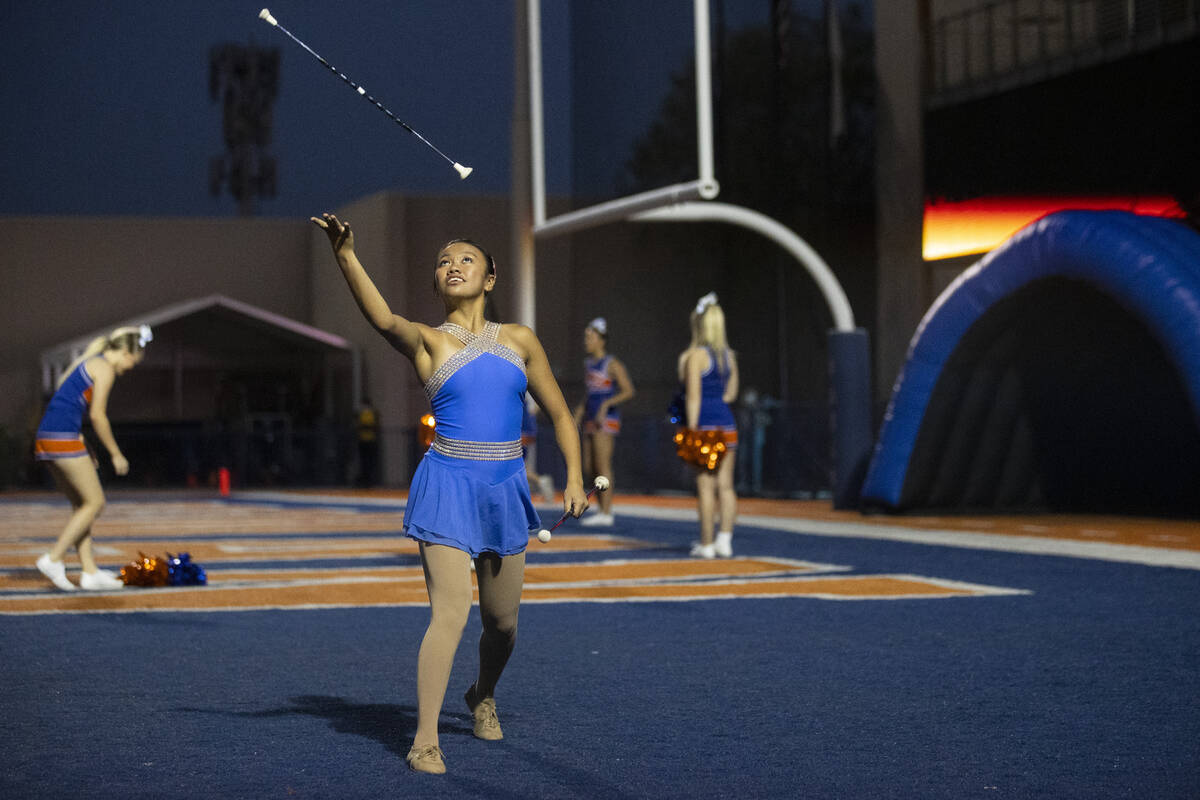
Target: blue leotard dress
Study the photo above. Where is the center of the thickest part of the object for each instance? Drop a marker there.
(600, 387)
(715, 413)
(58, 434)
(470, 491)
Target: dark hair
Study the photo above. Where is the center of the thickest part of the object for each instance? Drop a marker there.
(491, 262)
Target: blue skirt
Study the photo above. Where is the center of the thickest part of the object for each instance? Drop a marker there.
(475, 506)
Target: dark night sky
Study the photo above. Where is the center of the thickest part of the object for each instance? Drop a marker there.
(107, 107)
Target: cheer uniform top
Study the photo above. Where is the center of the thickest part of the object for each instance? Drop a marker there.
(715, 413)
(469, 491)
(59, 432)
(600, 387)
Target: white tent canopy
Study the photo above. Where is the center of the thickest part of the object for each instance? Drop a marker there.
(207, 330)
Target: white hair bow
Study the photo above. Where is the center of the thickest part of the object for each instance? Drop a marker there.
(600, 325)
(144, 335)
(709, 299)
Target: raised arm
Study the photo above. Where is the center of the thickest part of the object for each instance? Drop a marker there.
(401, 333)
(103, 376)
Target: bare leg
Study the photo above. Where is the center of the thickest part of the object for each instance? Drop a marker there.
(727, 496)
(602, 448)
(706, 494)
(78, 480)
(448, 581)
(86, 558)
(500, 582)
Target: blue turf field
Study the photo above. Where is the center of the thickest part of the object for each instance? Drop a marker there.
(1086, 687)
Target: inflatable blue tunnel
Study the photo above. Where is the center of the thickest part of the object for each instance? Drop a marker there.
(1059, 373)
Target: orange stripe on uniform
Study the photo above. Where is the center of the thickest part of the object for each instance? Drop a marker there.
(59, 448)
(612, 426)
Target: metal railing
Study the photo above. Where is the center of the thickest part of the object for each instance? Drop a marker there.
(991, 45)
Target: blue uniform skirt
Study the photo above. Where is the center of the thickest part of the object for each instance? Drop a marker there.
(475, 506)
(716, 415)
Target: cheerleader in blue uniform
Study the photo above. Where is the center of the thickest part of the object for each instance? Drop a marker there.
(709, 373)
(85, 386)
(543, 482)
(608, 385)
(469, 498)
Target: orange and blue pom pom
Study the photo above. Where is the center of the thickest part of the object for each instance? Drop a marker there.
(704, 449)
(178, 570)
(184, 571)
(146, 571)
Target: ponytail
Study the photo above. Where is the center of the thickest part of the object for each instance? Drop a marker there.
(132, 338)
(95, 347)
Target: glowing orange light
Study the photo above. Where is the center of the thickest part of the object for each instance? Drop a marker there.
(425, 430)
(978, 225)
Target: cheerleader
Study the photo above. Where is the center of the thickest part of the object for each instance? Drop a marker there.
(85, 386)
(708, 371)
(469, 499)
(608, 385)
(542, 482)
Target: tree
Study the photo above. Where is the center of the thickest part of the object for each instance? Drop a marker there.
(772, 116)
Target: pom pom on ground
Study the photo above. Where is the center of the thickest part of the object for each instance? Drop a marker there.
(146, 571)
(184, 571)
(169, 570)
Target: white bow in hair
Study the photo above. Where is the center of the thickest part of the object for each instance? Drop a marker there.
(709, 299)
(600, 325)
(144, 335)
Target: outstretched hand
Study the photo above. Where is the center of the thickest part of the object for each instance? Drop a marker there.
(341, 238)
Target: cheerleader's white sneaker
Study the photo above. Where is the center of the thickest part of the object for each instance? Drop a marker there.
(56, 571)
(546, 486)
(99, 581)
(598, 520)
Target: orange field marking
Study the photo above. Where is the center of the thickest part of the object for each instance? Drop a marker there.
(114, 552)
(616, 581)
(348, 592)
(850, 587)
(667, 570)
(175, 519)
(577, 574)
(267, 555)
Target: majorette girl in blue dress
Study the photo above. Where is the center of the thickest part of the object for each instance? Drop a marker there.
(469, 498)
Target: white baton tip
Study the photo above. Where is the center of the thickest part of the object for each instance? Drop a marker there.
(266, 14)
(361, 90)
(601, 483)
(463, 172)
(543, 536)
